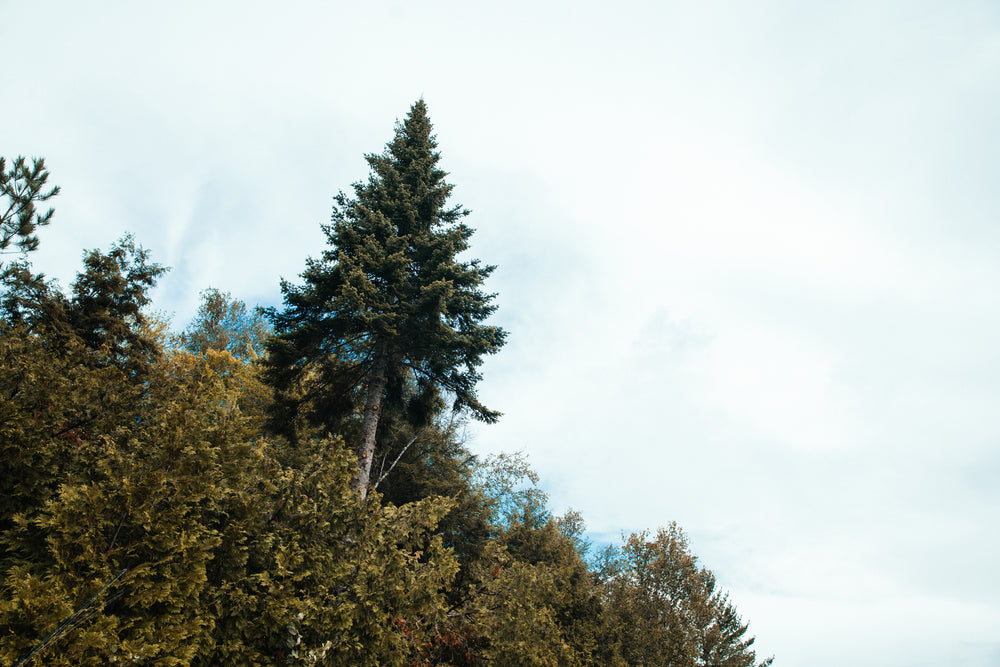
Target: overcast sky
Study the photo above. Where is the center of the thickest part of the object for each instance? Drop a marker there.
(748, 254)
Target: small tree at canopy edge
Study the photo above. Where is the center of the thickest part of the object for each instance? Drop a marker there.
(387, 310)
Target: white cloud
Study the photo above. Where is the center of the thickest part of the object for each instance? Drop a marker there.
(747, 255)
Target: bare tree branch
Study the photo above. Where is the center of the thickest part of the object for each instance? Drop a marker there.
(407, 446)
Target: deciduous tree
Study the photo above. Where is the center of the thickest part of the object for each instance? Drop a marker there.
(225, 323)
(663, 609)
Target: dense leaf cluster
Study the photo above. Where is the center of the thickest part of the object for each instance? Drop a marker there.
(155, 509)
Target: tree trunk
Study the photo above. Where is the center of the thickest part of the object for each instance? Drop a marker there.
(366, 448)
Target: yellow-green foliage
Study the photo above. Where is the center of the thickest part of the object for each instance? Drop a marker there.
(147, 519)
(663, 609)
(133, 473)
(160, 507)
(233, 551)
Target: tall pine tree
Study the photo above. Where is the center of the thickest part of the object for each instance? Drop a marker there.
(388, 310)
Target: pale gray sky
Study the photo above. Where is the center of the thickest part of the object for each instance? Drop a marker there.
(747, 252)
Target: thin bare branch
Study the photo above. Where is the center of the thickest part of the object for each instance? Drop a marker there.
(403, 451)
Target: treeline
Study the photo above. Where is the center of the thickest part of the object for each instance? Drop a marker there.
(290, 486)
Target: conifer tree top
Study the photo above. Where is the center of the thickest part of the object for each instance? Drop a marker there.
(389, 289)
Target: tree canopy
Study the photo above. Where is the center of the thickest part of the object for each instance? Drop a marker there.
(225, 323)
(192, 499)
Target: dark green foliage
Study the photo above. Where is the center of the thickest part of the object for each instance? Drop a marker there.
(431, 461)
(105, 310)
(390, 288)
(417, 462)
(24, 294)
(21, 188)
